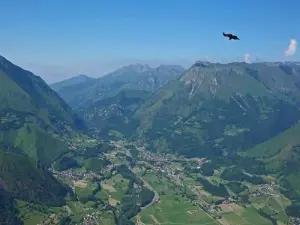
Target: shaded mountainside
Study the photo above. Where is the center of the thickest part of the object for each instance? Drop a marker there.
(137, 76)
(217, 109)
(59, 86)
(8, 209)
(35, 127)
(281, 156)
(32, 115)
(28, 180)
(23, 91)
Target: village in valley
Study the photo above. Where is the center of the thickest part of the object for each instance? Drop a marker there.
(163, 173)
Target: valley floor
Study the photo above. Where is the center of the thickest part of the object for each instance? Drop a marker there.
(179, 198)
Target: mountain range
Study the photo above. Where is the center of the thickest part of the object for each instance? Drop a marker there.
(211, 110)
(222, 107)
(241, 117)
(136, 76)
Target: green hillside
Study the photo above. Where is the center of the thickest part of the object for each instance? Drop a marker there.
(23, 91)
(33, 141)
(32, 115)
(36, 128)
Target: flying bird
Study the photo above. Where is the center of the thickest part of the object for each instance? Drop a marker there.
(231, 36)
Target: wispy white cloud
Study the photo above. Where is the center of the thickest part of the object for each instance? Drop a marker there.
(291, 50)
(247, 58)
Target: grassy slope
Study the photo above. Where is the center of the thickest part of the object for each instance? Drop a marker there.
(19, 99)
(31, 112)
(35, 142)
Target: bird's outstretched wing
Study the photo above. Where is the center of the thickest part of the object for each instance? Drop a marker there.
(225, 35)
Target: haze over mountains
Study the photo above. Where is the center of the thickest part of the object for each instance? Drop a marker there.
(136, 76)
(71, 81)
(242, 117)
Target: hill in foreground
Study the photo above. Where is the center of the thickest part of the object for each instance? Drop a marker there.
(35, 124)
(33, 115)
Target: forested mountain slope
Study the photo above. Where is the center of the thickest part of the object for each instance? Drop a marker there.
(115, 112)
(217, 109)
(35, 128)
(30, 110)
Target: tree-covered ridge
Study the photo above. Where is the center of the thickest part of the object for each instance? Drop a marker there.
(136, 196)
(218, 127)
(29, 180)
(8, 209)
(115, 112)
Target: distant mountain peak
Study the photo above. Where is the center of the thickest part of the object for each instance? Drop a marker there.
(81, 78)
(137, 67)
(5, 62)
(173, 66)
(2, 58)
(135, 76)
(203, 64)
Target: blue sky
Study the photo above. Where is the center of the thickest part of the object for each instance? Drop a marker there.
(58, 39)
